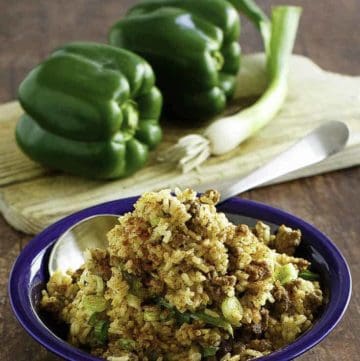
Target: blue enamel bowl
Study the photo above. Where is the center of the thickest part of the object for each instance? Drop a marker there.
(29, 274)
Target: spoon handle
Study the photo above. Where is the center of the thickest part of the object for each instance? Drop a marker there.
(324, 141)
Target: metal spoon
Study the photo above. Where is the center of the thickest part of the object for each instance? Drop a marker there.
(324, 141)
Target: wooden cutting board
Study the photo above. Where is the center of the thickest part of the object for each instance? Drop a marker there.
(31, 197)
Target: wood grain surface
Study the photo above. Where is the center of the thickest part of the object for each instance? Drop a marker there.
(329, 34)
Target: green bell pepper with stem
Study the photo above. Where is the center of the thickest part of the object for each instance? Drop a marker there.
(91, 110)
(192, 47)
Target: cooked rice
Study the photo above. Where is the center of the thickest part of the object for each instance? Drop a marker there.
(180, 250)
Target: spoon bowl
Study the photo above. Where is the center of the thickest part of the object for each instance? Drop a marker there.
(68, 251)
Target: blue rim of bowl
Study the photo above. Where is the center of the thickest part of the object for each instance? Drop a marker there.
(25, 313)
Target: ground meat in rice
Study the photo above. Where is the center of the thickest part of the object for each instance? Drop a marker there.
(179, 281)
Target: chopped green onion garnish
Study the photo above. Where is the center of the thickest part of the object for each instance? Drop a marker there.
(133, 301)
(181, 318)
(164, 303)
(207, 316)
(154, 221)
(214, 321)
(209, 351)
(286, 273)
(166, 315)
(211, 312)
(135, 284)
(232, 310)
(101, 331)
(93, 318)
(151, 316)
(93, 303)
(127, 344)
(309, 276)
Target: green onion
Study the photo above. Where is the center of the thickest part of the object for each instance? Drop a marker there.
(207, 316)
(93, 303)
(162, 302)
(127, 344)
(225, 134)
(93, 319)
(101, 331)
(286, 273)
(232, 310)
(135, 284)
(154, 221)
(211, 312)
(174, 313)
(165, 315)
(214, 321)
(252, 11)
(151, 316)
(209, 351)
(184, 317)
(133, 301)
(309, 276)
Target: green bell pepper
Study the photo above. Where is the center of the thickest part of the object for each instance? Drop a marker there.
(192, 47)
(91, 110)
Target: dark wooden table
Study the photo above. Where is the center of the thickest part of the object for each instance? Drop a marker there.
(329, 34)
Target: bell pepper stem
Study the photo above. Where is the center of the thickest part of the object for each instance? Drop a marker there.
(218, 59)
(130, 118)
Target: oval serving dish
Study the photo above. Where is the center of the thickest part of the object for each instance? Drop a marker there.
(29, 274)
